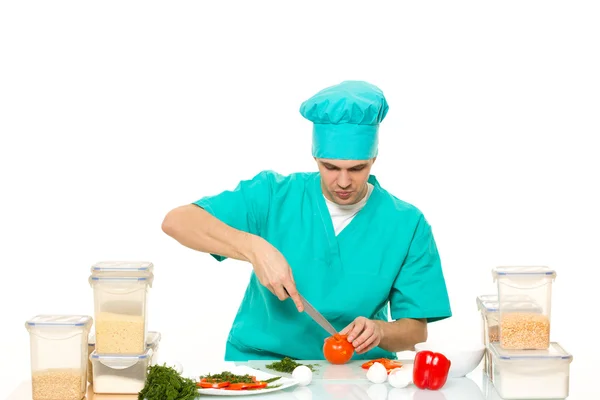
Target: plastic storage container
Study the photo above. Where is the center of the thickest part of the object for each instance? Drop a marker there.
(120, 374)
(120, 313)
(123, 268)
(490, 315)
(58, 345)
(531, 374)
(152, 342)
(489, 326)
(519, 329)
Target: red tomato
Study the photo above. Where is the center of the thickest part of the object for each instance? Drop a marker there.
(337, 349)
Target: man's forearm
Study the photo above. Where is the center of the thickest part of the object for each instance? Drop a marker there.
(197, 229)
(403, 334)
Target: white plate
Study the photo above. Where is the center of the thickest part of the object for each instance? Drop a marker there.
(284, 382)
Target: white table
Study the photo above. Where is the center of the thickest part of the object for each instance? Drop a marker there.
(346, 382)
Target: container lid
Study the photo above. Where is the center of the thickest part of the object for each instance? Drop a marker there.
(485, 298)
(123, 266)
(60, 320)
(120, 361)
(153, 339)
(523, 271)
(553, 352)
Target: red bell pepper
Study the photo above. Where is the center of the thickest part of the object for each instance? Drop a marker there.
(430, 370)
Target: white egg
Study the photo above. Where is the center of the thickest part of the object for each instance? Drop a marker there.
(400, 377)
(377, 373)
(302, 374)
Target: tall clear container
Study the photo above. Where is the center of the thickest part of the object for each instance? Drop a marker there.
(58, 346)
(522, 329)
(121, 313)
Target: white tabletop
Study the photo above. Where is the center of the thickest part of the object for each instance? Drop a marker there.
(347, 382)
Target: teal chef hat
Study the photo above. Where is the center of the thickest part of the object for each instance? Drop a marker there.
(346, 120)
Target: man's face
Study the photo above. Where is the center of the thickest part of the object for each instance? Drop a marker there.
(344, 181)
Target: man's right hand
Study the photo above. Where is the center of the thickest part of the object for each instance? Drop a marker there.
(273, 271)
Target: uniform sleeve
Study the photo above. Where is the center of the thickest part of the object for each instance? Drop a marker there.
(244, 208)
(419, 290)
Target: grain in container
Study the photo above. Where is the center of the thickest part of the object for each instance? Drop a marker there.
(120, 374)
(531, 374)
(522, 329)
(123, 268)
(58, 347)
(120, 313)
(152, 342)
(491, 325)
(489, 307)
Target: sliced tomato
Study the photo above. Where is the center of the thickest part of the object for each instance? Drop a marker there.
(238, 386)
(258, 385)
(212, 385)
(386, 362)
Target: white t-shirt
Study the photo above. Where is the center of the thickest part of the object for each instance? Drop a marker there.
(341, 215)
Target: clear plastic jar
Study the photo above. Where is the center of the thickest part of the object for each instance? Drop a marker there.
(120, 313)
(58, 346)
(524, 329)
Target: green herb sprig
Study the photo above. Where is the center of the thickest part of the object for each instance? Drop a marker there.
(165, 383)
(287, 365)
(227, 376)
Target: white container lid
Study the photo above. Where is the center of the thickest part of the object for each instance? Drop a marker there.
(60, 320)
(553, 353)
(153, 340)
(123, 266)
(118, 361)
(517, 271)
(485, 298)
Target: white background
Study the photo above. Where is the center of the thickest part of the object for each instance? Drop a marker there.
(112, 113)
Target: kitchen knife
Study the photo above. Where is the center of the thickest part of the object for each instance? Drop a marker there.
(316, 316)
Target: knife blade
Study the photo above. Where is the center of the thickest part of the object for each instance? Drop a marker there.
(317, 317)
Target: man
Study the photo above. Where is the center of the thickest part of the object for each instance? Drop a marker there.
(336, 236)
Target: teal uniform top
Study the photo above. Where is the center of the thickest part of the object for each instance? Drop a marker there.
(385, 260)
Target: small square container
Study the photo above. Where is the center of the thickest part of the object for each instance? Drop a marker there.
(524, 330)
(120, 374)
(123, 268)
(152, 342)
(531, 374)
(120, 313)
(58, 346)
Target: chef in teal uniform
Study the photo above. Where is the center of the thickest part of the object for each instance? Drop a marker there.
(350, 247)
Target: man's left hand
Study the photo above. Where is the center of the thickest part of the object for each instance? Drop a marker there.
(364, 334)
